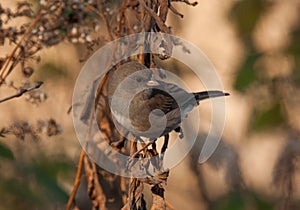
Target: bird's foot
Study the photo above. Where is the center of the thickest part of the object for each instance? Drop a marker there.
(180, 131)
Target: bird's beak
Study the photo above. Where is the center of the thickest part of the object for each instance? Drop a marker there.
(153, 83)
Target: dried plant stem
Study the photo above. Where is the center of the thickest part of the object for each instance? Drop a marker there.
(122, 13)
(95, 190)
(4, 72)
(134, 154)
(123, 189)
(175, 11)
(77, 180)
(101, 195)
(142, 23)
(159, 202)
(187, 2)
(21, 92)
(159, 22)
(136, 197)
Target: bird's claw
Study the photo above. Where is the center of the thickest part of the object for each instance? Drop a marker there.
(180, 131)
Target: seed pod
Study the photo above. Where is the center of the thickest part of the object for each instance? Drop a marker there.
(27, 71)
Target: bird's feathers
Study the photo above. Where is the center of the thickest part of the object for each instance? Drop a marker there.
(164, 101)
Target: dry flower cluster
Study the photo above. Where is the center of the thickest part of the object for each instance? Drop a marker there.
(21, 129)
(53, 22)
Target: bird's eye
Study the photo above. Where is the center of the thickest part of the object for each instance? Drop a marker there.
(139, 79)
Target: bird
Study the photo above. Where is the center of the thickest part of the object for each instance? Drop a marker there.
(147, 107)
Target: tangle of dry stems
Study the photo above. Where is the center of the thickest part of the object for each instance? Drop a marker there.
(146, 13)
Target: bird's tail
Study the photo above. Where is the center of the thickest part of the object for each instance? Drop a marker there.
(209, 94)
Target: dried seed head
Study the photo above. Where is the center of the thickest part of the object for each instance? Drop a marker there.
(41, 28)
(52, 8)
(42, 96)
(81, 39)
(88, 38)
(74, 40)
(97, 27)
(43, 2)
(74, 31)
(27, 71)
(34, 31)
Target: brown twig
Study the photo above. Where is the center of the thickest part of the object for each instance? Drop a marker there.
(122, 13)
(158, 198)
(136, 196)
(77, 181)
(187, 2)
(21, 91)
(101, 196)
(175, 11)
(95, 190)
(159, 22)
(10, 57)
(163, 9)
(142, 23)
(133, 155)
(123, 189)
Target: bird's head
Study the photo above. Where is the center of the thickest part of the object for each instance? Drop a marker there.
(132, 76)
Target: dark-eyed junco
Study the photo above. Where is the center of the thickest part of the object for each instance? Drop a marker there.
(148, 107)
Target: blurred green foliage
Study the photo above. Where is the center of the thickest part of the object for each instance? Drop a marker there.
(53, 71)
(5, 152)
(237, 200)
(247, 75)
(35, 184)
(269, 118)
(245, 15)
(232, 201)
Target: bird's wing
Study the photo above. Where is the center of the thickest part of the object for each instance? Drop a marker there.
(159, 99)
(174, 112)
(172, 97)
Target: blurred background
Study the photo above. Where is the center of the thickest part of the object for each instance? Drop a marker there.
(255, 48)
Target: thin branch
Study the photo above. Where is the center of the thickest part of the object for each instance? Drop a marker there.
(158, 197)
(187, 2)
(122, 14)
(101, 197)
(10, 57)
(123, 189)
(142, 47)
(163, 9)
(95, 190)
(21, 91)
(159, 22)
(77, 181)
(174, 10)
